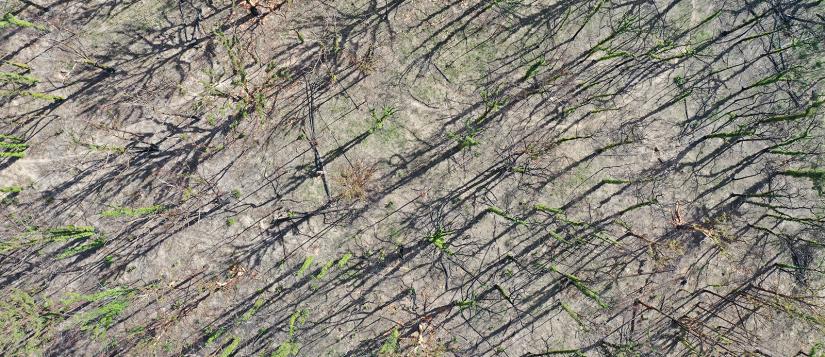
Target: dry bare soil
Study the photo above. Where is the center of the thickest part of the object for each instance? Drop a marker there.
(412, 178)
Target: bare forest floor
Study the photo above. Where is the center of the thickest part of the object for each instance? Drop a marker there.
(412, 178)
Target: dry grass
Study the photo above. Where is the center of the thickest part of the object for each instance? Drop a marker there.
(255, 6)
(355, 180)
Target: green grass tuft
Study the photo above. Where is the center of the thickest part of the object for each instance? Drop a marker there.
(286, 349)
(230, 349)
(9, 20)
(547, 209)
(612, 181)
(500, 212)
(344, 260)
(297, 317)
(85, 247)
(133, 212)
(259, 302)
(465, 304)
(36, 95)
(99, 319)
(439, 240)
(576, 281)
(8, 77)
(12, 146)
(390, 345)
(573, 314)
(70, 232)
(26, 324)
(325, 270)
(11, 189)
(379, 120)
(534, 68)
(214, 335)
(817, 176)
(305, 266)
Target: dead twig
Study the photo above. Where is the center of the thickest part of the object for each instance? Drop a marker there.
(313, 143)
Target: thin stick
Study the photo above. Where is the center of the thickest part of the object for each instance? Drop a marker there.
(319, 164)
